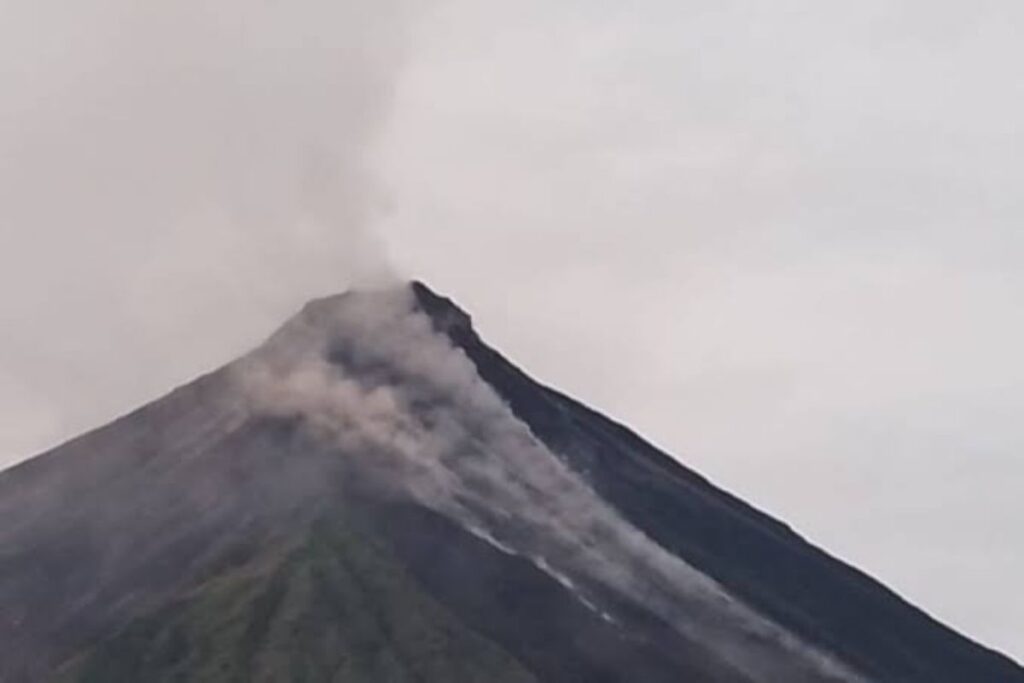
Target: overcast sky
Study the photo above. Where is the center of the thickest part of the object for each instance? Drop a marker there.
(783, 240)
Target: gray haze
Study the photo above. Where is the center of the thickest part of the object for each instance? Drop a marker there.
(175, 178)
(781, 239)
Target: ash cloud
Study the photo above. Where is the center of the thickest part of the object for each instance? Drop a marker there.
(368, 373)
(168, 167)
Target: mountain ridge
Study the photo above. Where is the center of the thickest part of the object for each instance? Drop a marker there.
(316, 427)
(465, 337)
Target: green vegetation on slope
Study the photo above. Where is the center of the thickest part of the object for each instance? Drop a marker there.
(336, 608)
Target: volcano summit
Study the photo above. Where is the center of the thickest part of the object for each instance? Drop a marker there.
(376, 495)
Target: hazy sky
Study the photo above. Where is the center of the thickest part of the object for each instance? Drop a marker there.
(783, 240)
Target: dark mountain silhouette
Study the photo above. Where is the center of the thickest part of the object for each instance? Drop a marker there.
(376, 495)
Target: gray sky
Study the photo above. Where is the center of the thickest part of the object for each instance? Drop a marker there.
(780, 239)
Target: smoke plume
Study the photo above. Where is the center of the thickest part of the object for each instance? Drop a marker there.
(178, 165)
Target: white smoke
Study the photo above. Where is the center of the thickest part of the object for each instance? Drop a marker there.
(174, 165)
(369, 372)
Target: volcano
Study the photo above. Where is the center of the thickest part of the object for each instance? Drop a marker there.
(376, 495)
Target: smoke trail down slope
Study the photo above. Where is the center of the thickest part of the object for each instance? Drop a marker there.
(370, 373)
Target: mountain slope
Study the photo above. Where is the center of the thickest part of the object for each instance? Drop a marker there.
(330, 606)
(375, 494)
(754, 555)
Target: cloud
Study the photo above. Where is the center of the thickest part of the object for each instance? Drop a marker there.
(780, 239)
